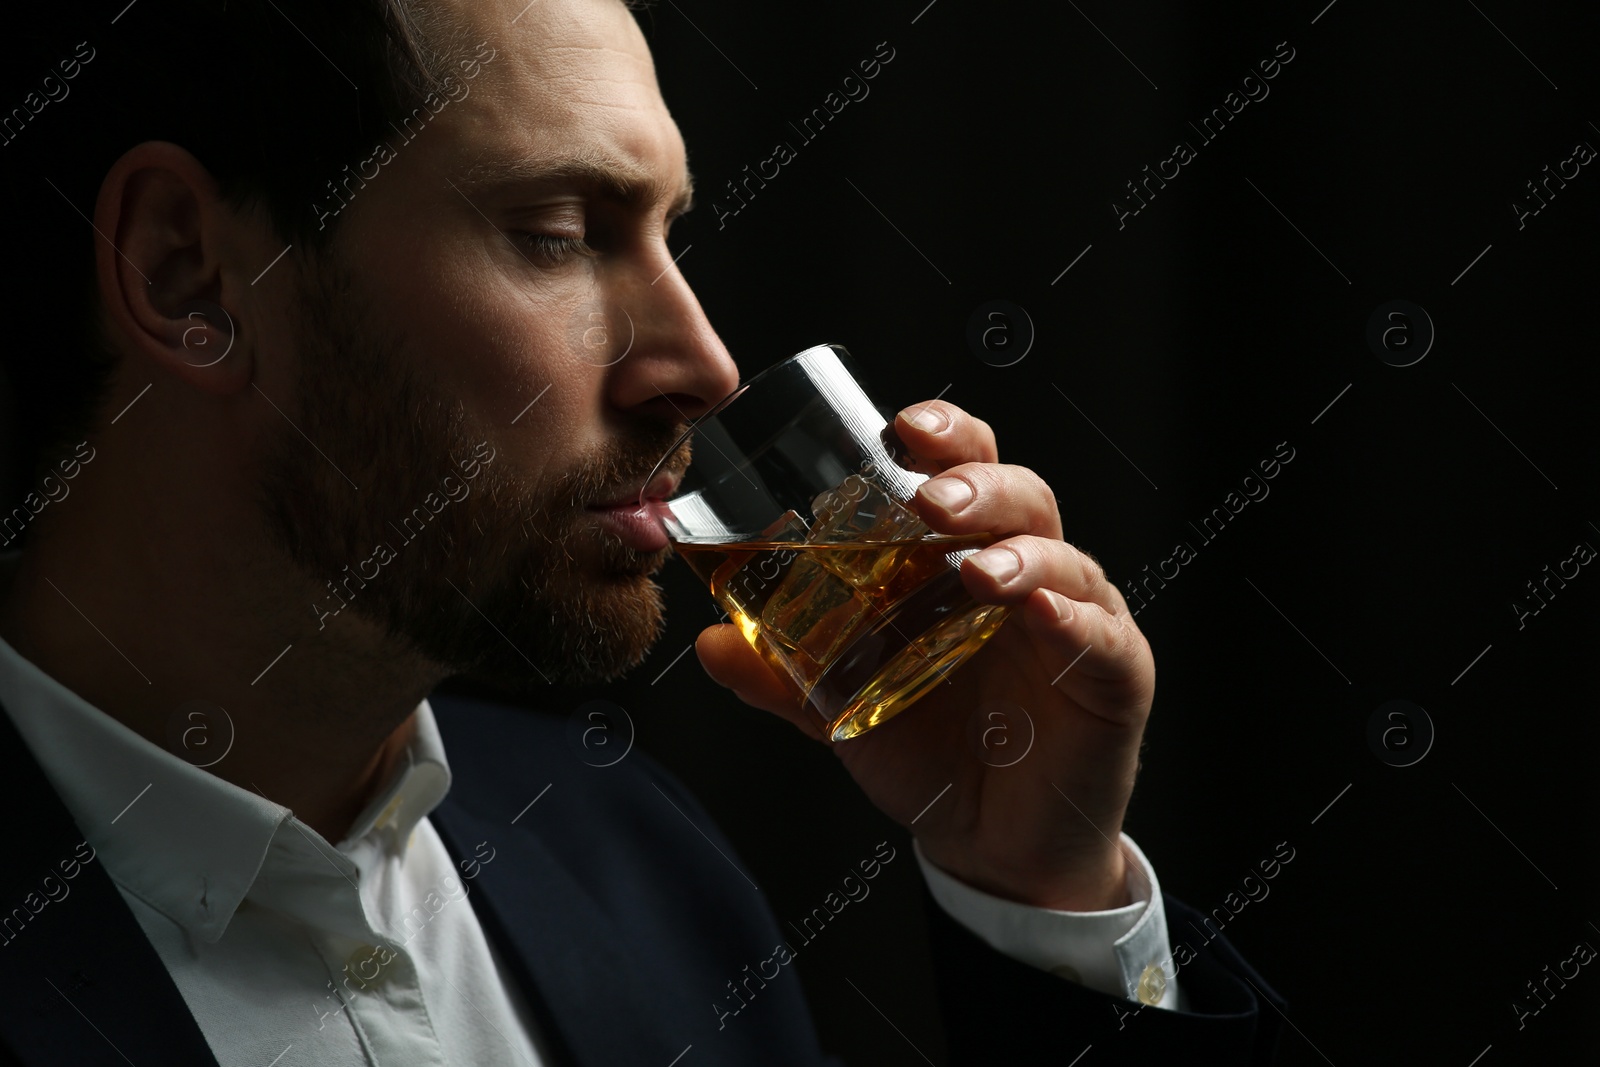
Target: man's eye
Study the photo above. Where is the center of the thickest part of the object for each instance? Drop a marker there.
(552, 250)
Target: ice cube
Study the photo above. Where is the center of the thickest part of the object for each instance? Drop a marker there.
(749, 577)
(859, 510)
(814, 612)
(858, 513)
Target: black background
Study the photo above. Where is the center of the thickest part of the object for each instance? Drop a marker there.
(1222, 319)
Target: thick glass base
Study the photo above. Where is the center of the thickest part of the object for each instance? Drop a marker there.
(900, 660)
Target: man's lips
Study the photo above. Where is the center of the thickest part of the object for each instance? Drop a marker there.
(636, 518)
(636, 524)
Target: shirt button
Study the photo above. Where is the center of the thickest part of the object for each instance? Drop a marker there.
(1069, 973)
(388, 812)
(370, 965)
(1152, 984)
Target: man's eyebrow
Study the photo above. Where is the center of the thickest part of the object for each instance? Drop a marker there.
(623, 182)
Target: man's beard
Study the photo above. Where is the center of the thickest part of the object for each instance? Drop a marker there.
(513, 584)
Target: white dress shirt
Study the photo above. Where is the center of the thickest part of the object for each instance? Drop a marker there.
(291, 950)
(257, 917)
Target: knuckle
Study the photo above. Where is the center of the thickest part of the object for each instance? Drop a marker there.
(1128, 643)
(985, 480)
(1113, 638)
(1033, 551)
(1090, 573)
(985, 434)
(1042, 500)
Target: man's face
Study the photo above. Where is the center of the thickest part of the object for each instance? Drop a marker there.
(511, 252)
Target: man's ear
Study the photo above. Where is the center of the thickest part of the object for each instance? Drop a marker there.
(168, 267)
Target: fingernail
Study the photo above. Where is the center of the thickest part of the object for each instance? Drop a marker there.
(1062, 605)
(951, 494)
(1001, 564)
(925, 417)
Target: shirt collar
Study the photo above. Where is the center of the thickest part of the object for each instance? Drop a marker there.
(179, 838)
(414, 790)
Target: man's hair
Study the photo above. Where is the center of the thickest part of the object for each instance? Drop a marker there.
(274, 97)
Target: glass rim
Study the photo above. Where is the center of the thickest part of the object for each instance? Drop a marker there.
(721, 405)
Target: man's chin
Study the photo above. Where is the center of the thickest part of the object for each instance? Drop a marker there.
(620, 563)
(590, 639)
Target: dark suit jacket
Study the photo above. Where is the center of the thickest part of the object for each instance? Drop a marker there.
(617, 919)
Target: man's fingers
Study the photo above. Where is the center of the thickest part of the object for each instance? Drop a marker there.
(733, 664)
(942, 435)
(1093, 647)
(997, 498)
(1008, 571)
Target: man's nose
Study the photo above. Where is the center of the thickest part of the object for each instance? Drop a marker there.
(678, 367)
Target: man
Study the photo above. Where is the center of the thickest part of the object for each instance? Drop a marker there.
(341, 445)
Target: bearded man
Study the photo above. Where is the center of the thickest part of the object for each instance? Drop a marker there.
(310, 363)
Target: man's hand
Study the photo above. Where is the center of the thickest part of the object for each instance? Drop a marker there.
(1042, 830)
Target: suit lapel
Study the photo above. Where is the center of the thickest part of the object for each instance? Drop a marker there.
(561, 947)
(81, 982)
(84, 985)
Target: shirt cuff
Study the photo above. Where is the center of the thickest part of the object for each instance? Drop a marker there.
(1124, 952)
